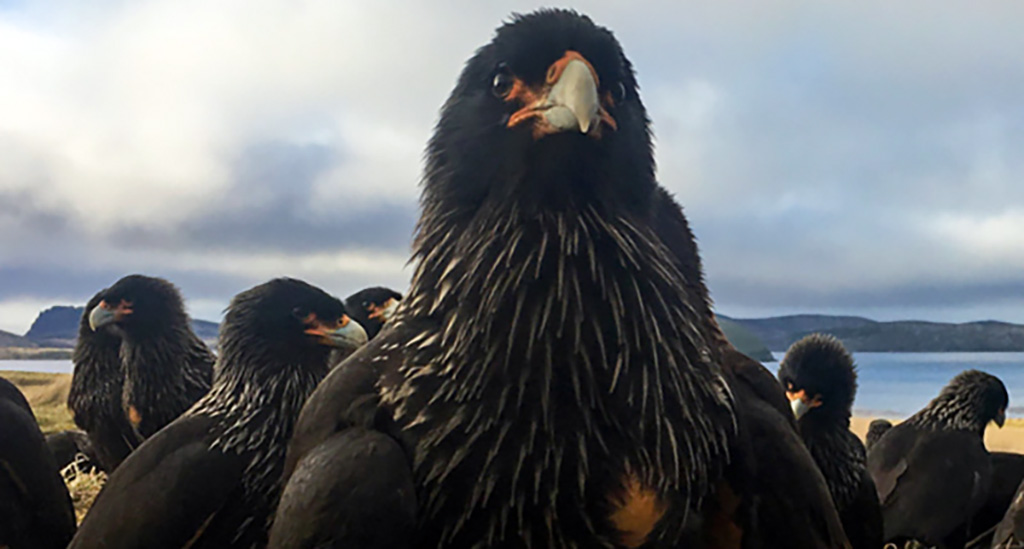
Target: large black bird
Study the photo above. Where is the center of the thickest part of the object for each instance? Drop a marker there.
(820, 379)
(167, 368)
(35, 508)
(373, 307)
(554, 377)
(211, 478)
(97, 386)
(1010, 531)
(932, 471)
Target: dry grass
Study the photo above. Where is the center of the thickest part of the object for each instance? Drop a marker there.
(83, 486)
(48, 396)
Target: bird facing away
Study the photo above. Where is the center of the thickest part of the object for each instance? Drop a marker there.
(820, 380)
(876, 429)
(373, 307)
(167, 368)
(932, 471)
(212, 477)
(549, 380)
(97, 385)
(35, 508)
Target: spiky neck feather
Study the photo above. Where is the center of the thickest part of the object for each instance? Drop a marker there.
(257, 396)
(564, 342)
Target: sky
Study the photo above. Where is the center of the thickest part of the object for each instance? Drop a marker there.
(846, 158)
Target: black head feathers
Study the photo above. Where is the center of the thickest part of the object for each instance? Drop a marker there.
(969, 401)
(511, 133)
(876, 430)
(286, 319)
(821, 367)
(139, 306)
(373, 307)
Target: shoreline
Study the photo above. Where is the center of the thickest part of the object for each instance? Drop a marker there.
(1010, 438)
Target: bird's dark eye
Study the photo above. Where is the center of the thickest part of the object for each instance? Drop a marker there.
(619, 95)
(299, 313)
(502, 82)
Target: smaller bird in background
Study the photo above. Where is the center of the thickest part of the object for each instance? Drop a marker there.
(932, 471)
(96, 388)
(217, 469)
(876, 429)
(35, 508)
(820, 380)
(373, 308)
(70, 447)
(167, 368)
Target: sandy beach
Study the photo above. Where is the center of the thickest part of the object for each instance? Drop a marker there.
(1008, 439)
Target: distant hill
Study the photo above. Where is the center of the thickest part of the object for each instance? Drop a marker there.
(7, 339)
(745, 341)
(866, 335)
(58, 327)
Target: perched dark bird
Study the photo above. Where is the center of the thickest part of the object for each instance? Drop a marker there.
(35, 508)
(820, 380)
(97, 386)
(212, 477)
(167, 368)
(876, 429)
(70, 447)
(373, 307)
(932, 471)
(554, 377)
(1009, 533)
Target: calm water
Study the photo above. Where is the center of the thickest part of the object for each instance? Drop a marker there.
(891, 384)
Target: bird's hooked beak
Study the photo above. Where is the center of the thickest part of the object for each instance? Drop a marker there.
(1001, 418)
(568, 100)
(345, 333)
(103, 314)
(385, 312)
(801, 403)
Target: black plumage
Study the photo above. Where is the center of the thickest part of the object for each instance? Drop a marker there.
(212, 477)
(1007, 474)
(373, 307)
(70, 447)
(97, 385)
(35, 508)
(820, 379)
(1009, 533)
(166, 367)
(876, 429)
(932, 471)
(554, 374)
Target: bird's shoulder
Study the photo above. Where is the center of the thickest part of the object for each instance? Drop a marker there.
(180, 463)
(349, 395)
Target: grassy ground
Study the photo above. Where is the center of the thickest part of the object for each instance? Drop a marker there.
(26, 353)
(48, 396)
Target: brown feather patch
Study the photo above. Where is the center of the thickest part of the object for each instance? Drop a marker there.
(637, 509)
